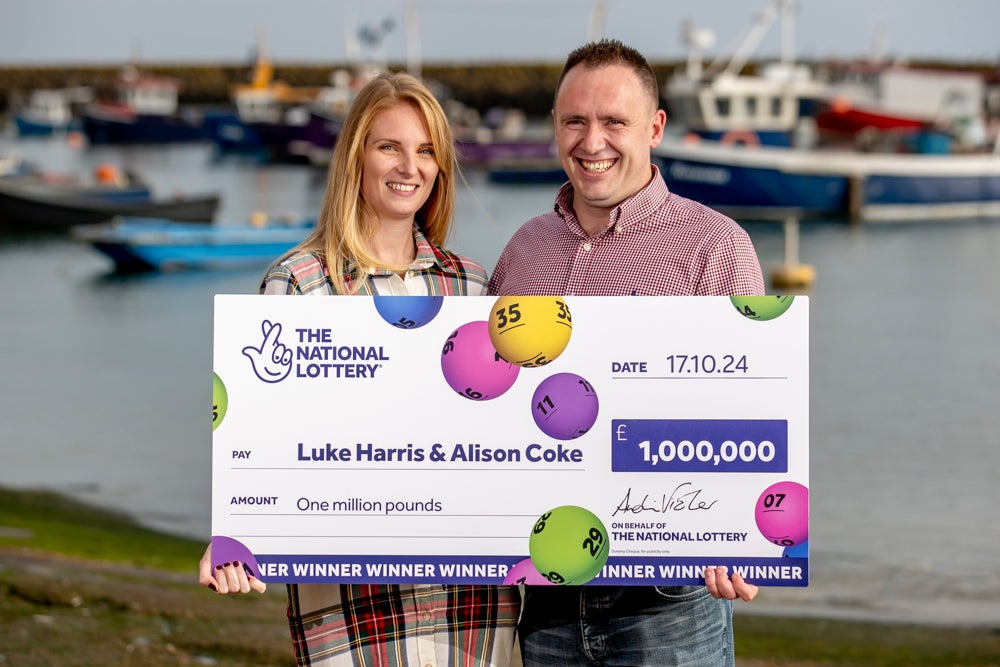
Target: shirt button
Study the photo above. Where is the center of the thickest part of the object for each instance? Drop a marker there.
(587, 247)
(426, 616)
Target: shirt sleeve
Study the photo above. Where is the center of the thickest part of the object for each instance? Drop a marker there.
(497, 278)
(279, 280)
(732, 269)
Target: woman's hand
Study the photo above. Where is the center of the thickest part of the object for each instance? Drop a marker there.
(230, 578)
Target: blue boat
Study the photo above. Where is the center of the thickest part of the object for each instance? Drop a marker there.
(49, 111)
(152, 244)
(766, 183)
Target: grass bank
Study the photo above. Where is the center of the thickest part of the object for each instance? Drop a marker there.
(86, 587)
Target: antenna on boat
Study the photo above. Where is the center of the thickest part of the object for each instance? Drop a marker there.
(741, 54)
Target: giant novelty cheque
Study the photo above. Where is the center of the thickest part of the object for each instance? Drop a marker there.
(534, 440)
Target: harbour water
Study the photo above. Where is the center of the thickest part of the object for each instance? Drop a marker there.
(104, 380)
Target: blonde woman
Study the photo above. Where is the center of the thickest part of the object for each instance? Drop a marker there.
(387, 211)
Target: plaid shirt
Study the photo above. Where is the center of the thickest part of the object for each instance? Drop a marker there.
(401, 625)
(340, 625)
(441, 272)
(657, 243)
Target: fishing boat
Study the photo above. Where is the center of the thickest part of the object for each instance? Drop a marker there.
(48, 111)
(150, 244)
(145, 110)
(271, 118)
(42, 201)
(751, 147)
(768, 183)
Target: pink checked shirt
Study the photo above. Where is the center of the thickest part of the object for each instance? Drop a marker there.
(657, 243)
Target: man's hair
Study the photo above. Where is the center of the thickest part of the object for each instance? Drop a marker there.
(612, 52)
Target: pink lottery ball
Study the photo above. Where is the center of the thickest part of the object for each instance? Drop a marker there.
(525, 573)
(472, 366)
(782, 513)
(564, 406)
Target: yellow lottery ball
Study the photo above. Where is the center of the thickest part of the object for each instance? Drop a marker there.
(530, 331)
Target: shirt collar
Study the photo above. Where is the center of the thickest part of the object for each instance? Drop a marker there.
(426, 257)
(631, 211)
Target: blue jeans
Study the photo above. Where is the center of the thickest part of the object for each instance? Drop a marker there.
(619, 626)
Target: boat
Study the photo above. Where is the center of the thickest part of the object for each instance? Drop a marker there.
(501, 136)
(720, 102)
(49, 111)
(871, 95)
(768, 160)
(271, 118)
(771, 183)
(145, 110)
(12, 164)
(41, 201)
(138, 244)
(526, 171)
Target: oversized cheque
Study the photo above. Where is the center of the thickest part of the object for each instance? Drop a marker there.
(634, 441)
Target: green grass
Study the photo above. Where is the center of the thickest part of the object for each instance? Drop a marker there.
(864, 644)
(49, 522)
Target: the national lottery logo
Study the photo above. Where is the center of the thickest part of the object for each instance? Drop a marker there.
(309, 353)
(271, 359)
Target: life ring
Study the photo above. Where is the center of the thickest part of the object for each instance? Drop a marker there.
(740, 138)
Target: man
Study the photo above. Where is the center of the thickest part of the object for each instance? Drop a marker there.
(616, 229)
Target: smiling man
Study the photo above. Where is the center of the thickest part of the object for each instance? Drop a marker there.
(616, 229)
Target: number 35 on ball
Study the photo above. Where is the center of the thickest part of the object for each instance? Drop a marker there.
(530, 331)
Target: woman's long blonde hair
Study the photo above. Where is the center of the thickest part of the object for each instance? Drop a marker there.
(347, 223)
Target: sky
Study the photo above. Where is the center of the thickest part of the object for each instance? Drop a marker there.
(47, 32)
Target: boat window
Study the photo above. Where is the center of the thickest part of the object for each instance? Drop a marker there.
(751, 107)
(722, 106)
(776, 106)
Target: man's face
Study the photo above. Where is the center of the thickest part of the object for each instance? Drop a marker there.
(605, 124)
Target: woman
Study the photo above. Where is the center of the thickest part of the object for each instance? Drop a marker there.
(389, 200)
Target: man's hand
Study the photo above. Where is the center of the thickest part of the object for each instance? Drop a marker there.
(720, 585)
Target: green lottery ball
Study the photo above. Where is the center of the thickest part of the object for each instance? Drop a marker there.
(220, 401)
(568, 545)
(762, 308)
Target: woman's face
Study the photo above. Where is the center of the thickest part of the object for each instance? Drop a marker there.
(400, 168)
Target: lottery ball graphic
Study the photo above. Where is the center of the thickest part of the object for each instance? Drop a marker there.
(524, 572)
(471, 365)
(782, 513)
(220, 401)
(762, 308)
(798, 551)
(530, 331)
(564, 406)
(408, 312)
(569, 545)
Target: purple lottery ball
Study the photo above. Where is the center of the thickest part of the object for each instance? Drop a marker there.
(564, 406)
(471, 365)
